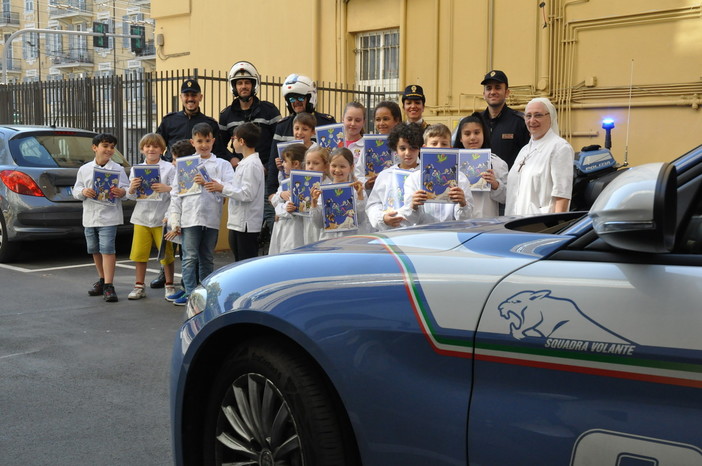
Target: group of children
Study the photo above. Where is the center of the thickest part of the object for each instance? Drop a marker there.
(347, 165)
(194, 220)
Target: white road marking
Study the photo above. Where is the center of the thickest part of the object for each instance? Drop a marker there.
(126, 264)
(18, 354)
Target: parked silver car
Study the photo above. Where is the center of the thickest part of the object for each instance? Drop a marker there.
(38, 168)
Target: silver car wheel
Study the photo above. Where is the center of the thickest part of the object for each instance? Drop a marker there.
(255, 426)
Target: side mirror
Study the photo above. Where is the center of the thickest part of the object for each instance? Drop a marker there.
(637, 210)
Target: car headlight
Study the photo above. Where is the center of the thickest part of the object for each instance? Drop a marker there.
(196, 302)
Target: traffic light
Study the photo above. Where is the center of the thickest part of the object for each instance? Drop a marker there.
(103, 41)
(138, 43)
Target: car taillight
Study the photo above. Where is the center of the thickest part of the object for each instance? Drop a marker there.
(21, 183)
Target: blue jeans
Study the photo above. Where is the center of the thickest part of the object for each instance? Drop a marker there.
(101, 239)
(198, 255)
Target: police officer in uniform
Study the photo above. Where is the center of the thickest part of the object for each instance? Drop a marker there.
(508, 131)
(247, 107)
(413, 101)
(300, 95)
(179, 125)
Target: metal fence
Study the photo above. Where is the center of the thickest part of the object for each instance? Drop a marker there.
(132, 105)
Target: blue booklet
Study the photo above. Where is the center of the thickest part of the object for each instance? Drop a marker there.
(439, 172)
(186, 169)
(330, 136)
(396, 193)
(149, 175)
(339, 207)
(203, 172)
(283, 145)
(103, 181)
(301, 184)
(473, 162)
(377, 154)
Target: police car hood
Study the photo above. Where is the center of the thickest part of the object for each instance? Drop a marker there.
(488, 236)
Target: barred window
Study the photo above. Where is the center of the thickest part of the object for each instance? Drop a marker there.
(378, 59)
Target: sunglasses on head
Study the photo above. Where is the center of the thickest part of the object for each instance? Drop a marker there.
(296, 98)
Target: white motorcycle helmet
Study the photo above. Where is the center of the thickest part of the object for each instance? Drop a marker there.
(243, 70)
(297, 84)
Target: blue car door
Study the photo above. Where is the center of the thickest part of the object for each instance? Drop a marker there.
(592, 358)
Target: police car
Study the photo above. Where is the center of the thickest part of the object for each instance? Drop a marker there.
(568, 339)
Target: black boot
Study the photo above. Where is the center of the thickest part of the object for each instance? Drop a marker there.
(160, 281)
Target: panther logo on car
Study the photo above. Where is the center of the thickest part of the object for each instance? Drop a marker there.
(538, 314)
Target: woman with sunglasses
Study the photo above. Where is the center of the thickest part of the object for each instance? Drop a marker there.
(541, 179)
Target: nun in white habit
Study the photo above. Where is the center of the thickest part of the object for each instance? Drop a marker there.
(541, 179)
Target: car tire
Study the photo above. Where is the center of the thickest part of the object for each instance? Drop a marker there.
(7, 248)
(270, 406)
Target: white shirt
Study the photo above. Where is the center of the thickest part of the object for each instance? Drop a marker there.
(486, 203)
(542, 170)
(378, 196)
(96, 214)
(435, 212)
(246, 195)
(204, 209)
(288, 229)
(151, 213)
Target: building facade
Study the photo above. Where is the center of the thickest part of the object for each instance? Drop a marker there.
(48, 57)
(636, 61)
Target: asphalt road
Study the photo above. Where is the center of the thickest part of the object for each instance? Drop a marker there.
(83, 381)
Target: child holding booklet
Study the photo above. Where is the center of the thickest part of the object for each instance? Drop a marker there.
(288, 229)
(303, 130)
(473, 134)
(341, 170)
(317, 160)
(148, 214)
(100, 219)
(416, 210)
(387, 195)
(197, 216)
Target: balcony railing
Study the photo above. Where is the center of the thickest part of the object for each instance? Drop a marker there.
(13, 64)
(72, 59)
(70, 9)
(9, 18)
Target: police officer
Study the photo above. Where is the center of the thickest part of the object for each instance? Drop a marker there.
(244, 81)
(300, 95)
(413, 101)
(179, 125)
(508, 131)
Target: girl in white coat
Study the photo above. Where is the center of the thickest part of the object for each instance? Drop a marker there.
(473, 134)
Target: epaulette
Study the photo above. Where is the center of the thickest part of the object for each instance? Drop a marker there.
(325, 115)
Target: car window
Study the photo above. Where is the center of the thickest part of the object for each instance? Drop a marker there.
(55, 150)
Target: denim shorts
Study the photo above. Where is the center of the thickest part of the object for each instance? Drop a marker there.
(101, 239)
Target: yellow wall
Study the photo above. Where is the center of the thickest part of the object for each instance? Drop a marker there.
(582, 60)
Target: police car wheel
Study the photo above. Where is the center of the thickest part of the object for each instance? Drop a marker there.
(269, 406)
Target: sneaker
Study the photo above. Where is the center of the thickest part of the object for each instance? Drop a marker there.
(138, 292)
(98, 288)
(170, 289)
(175, 295)
(110, 294)
(182, 301)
